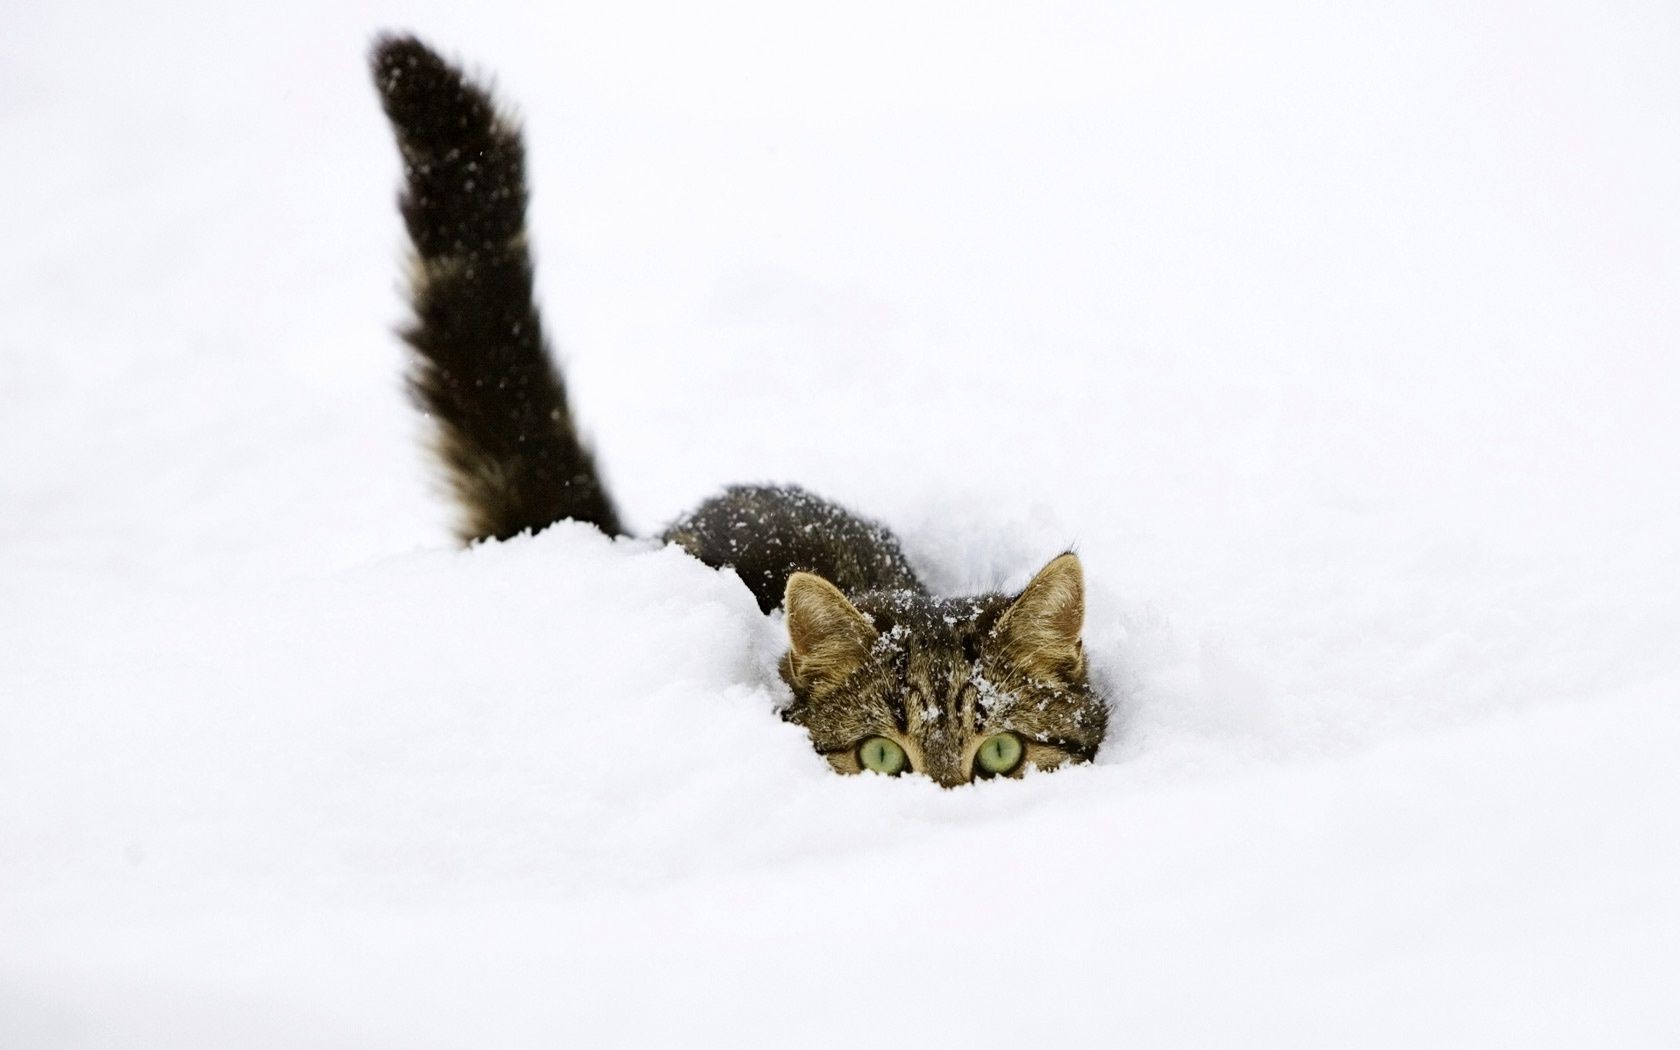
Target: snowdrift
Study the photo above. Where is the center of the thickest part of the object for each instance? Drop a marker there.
(1341, 345)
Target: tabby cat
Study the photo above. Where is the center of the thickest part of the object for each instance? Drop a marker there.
(885, 676)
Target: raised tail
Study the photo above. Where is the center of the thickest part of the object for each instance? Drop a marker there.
(482, 370)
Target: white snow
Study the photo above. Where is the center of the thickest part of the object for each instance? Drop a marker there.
(1344, 345)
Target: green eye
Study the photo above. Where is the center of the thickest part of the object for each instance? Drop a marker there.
(881, 755)
(1000, 753)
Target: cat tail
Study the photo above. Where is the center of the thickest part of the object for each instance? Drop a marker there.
(481, 368)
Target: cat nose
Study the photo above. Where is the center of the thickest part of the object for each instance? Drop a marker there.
(948, 775)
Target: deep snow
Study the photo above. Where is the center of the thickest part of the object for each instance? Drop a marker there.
(1343, 345)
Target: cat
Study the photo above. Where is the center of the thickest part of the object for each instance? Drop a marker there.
(885, 676)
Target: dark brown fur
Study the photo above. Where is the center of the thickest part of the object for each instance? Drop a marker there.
(871, 652)
(482, 370)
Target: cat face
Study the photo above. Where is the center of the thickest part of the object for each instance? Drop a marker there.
(955, 689)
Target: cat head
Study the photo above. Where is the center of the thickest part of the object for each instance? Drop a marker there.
(956, 689)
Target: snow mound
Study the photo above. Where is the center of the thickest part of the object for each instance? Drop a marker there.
(1341, 344)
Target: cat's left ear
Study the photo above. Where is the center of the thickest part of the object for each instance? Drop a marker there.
(1040, 629)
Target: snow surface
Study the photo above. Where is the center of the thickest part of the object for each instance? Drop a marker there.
(1342, 342)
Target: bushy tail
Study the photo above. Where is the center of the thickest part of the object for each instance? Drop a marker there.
(482, 371)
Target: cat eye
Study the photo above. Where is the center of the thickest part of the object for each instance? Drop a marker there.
(999, 754)
(881, 756)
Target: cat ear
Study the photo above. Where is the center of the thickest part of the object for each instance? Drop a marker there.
(828, 638)
(1040, 629)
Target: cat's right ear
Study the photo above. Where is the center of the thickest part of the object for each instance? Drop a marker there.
(828, 638)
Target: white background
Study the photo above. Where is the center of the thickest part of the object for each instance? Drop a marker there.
(1340, 340)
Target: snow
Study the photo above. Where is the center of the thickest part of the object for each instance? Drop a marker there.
(1341, 343)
